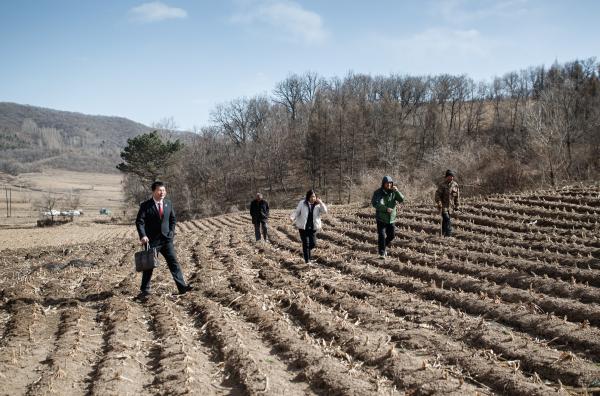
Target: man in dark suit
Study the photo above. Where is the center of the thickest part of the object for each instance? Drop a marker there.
(155, 225)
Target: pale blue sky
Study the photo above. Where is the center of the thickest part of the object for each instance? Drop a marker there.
(178, 58)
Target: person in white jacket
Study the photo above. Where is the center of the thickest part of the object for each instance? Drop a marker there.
(307, 218)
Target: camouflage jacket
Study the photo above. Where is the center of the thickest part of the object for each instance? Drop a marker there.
(447, 195)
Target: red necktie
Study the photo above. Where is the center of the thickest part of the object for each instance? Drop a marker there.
(160, 210)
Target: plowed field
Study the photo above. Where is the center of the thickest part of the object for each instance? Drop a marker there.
(509, 305)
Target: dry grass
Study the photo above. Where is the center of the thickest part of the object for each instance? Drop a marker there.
(95, 191)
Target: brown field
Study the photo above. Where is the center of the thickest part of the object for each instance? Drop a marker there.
(510, 305)
(95, 191)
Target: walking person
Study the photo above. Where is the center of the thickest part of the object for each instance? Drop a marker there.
(155, 225)
(447, 199)
(259, 210)
(384, 201)
(307, 218)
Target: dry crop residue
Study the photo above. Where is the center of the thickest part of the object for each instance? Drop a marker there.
(508, 305)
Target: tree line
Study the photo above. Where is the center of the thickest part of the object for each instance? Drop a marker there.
(528, 128)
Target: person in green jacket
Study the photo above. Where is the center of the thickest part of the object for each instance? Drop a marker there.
(384, 201)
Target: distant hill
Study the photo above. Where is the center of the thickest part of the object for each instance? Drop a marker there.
(33, 138)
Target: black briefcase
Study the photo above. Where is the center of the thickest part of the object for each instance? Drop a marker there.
(146, 259)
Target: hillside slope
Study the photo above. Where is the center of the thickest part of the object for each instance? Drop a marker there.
(34, 138)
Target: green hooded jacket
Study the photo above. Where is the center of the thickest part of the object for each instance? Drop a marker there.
(384, 199)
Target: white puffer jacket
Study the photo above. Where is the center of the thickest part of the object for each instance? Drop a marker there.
(300, 215)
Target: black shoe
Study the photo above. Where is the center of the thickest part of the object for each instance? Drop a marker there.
(188, 288)
(142, 296)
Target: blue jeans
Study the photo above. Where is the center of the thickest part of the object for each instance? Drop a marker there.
(308, 243)
(385, 235)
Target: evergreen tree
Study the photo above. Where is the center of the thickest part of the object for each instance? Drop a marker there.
(148, 156)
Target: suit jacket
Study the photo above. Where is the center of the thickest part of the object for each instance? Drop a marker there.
(149, 223)
(259, 211)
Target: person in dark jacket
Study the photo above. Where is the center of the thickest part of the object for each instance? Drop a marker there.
(384, 201)
(259, 210)
(155, 225)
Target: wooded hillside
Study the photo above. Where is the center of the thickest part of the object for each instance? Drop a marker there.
(524, 129)
(33, 138)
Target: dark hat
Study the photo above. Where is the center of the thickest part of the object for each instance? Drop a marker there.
(386, 179)
(449, 173)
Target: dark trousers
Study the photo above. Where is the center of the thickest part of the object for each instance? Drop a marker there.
(261, 225)
(167, 249)
(446, 224)
(308, 243)
(385, 235)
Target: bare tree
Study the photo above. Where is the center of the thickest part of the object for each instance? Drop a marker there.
(167, 127)
(330, 133)
(547, 125)
(291, 93)
(312, 84)
(72, 200)
(241, 120)
(47, 204)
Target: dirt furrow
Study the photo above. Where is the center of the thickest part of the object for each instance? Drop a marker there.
(326, 374)
(404, 367)
(255, 365)
(69, 364)
(526, 230)
(572, 310)
(215, 223)
(203, 225)
(571, 254)
(189, 358)
(485, 250)
(29, 337)
(182, 228)
(500, 271)
(182, 366)
(582, 338)
(549, 201)
(515, 346)
(520, 225)
(195, 226)
(517, 212)
(248, 358)
(545, 220)
(67, 360)
(579, 207)
(128, 350)
(511, 350)
(401, 369)
(442, 352)
(530, 233)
